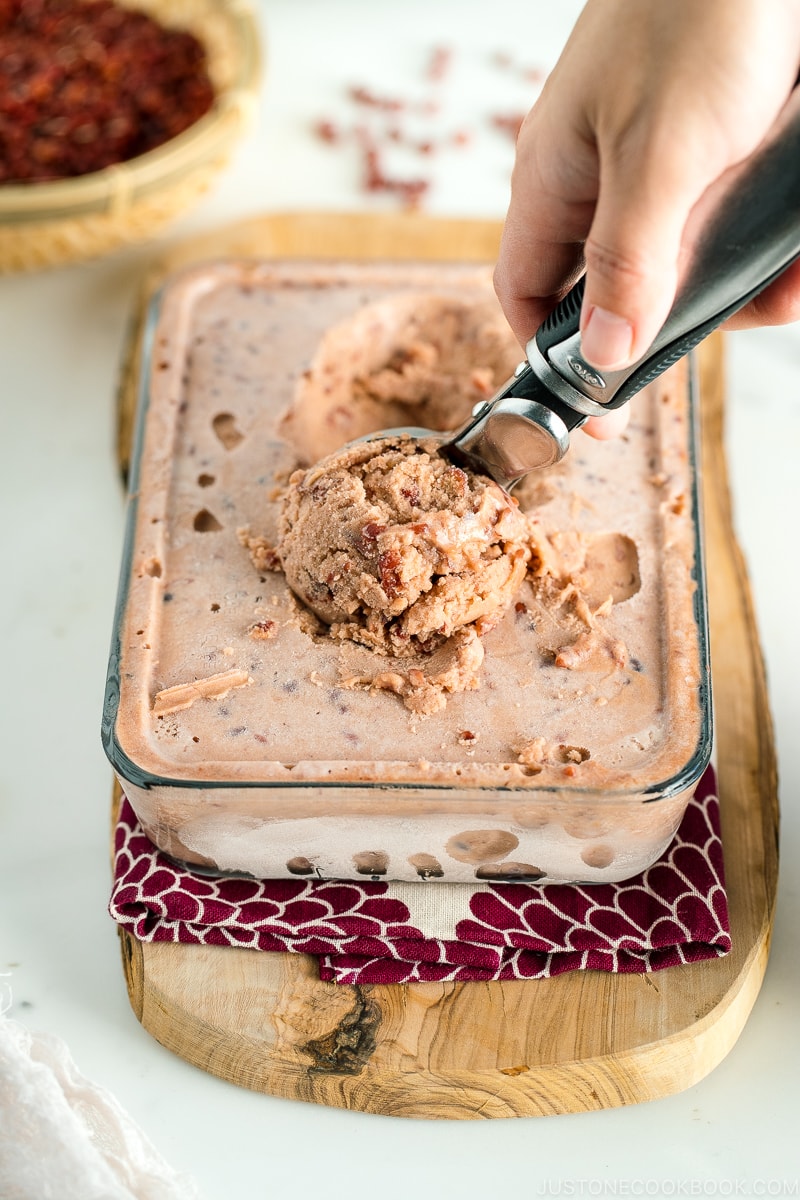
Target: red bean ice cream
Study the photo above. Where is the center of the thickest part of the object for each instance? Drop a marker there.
(369, 661)
(395, 547)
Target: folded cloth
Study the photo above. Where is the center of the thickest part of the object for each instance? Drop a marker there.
(390, 932)
(64, 1135)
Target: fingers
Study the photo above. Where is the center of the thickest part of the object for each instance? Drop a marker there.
(531, 277)
(633, 249)
(553, 189)
(615, 180)
(611, 425)
(779, 304)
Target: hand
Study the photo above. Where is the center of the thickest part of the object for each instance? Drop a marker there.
(651, 102)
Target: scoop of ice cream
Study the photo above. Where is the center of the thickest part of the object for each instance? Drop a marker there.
(394, 546)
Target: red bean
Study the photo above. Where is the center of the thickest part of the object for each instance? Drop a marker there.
(84, 84)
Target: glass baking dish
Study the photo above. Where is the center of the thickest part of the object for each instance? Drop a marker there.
(233, 724)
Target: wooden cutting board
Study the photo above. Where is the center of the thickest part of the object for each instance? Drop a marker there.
(583, 1041)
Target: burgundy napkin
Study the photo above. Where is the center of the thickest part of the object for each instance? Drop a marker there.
(675, 912)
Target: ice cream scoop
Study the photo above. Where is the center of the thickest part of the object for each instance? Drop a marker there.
(750, 238)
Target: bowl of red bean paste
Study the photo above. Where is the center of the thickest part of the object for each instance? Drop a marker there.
(113, 118)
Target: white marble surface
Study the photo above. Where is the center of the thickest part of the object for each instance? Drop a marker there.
(60, 339)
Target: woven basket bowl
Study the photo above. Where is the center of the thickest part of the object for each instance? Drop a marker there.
(47, 224)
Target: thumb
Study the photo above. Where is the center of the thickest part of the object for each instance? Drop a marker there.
(632, 256)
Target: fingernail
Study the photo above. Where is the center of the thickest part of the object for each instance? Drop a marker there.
(606, 339)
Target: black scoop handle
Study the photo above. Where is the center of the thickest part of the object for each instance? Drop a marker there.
(750, 239)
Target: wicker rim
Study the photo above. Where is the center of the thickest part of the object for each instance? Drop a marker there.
(118, 185)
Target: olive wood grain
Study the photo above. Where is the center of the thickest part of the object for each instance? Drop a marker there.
(582, 1041)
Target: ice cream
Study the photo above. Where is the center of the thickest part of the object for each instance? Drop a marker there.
(418, 357)
(248, 738)
(395, 547)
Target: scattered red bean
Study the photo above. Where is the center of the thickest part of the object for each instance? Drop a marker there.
(376, 180)
(84, 84)
(369, 99)
(392, 120)
(532, 74)
(327, 131)
(439, 63)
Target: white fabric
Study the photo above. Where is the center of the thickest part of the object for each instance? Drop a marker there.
(65, 1138)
